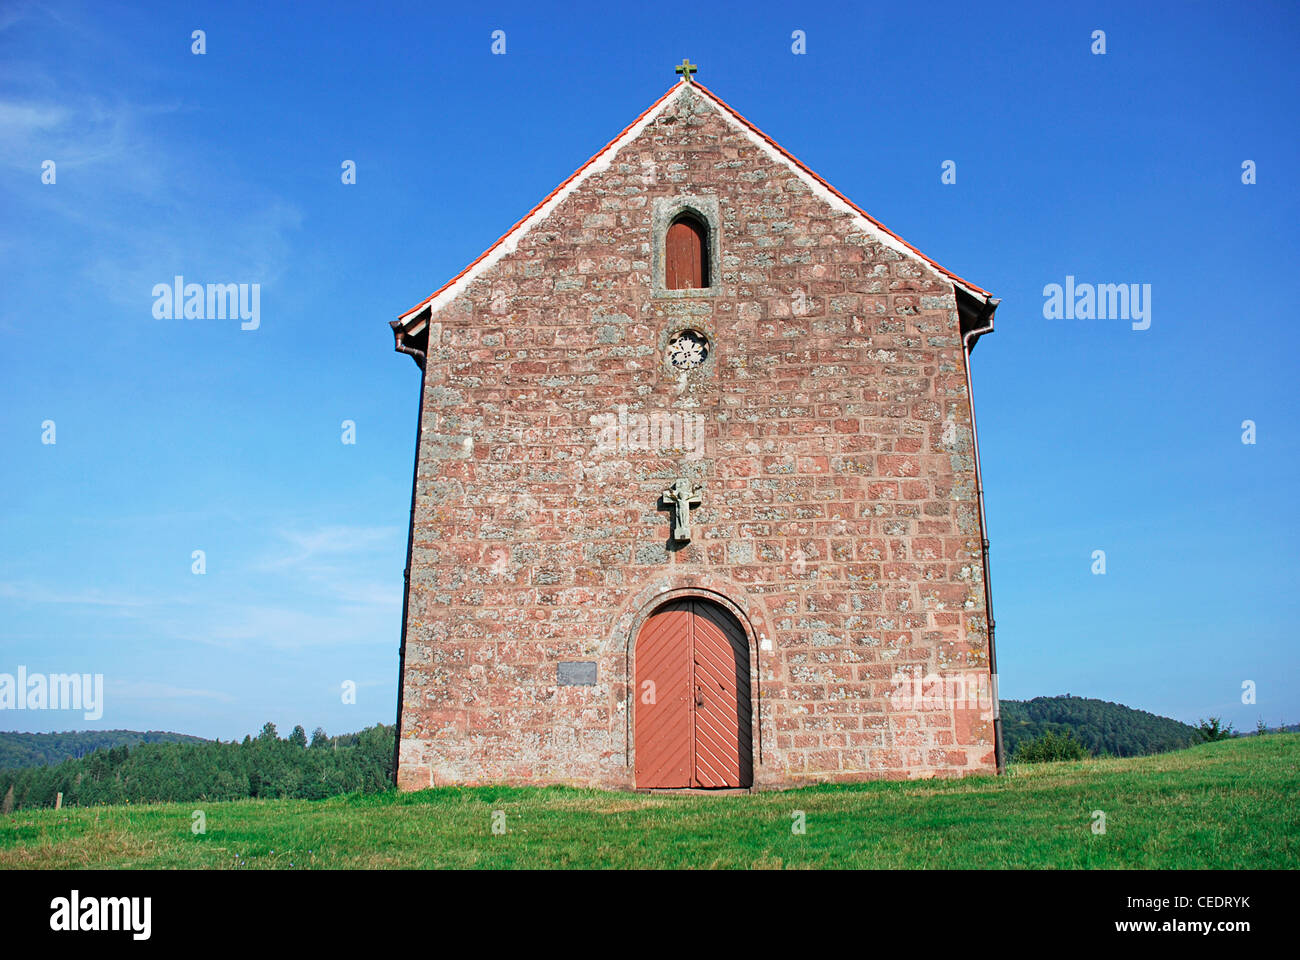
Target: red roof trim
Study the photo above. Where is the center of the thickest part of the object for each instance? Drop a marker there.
(795, 160)
(720, 102)
(500, 240)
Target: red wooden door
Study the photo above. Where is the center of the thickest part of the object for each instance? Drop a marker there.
(693, 708)
(684, 259)
(663, 698)
(723, 757)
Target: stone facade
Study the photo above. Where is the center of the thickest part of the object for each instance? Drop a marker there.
(829, 425)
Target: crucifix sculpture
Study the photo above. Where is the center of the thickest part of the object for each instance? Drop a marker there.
(681, 496)
(686, 68)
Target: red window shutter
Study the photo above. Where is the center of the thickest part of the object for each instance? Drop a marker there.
(685, 256)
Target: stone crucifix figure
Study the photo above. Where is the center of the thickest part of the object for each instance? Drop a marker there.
(683, 495)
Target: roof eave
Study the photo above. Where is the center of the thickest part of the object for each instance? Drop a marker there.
(423, 310)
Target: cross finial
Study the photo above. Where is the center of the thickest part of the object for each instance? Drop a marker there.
(686, 68)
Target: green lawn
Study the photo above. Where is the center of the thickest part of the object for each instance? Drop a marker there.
(1231, 804)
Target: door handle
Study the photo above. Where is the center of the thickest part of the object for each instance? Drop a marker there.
(699, 697)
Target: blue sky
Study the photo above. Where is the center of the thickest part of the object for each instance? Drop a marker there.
(182, 435)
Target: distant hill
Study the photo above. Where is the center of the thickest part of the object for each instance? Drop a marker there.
(1281, 728)
(184, 768)
(41, 749)
(1100, 725)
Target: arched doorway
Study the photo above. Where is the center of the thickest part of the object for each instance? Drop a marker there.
(693, 712)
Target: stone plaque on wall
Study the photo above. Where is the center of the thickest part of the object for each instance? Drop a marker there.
(576, 673)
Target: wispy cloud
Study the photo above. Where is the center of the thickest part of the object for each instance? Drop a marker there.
(327, 571)
(15, 12)
(143, 690)
(314, 548)
(139, 194)
(335, 561)
(38, 594)
(74, 135)
(284, 628)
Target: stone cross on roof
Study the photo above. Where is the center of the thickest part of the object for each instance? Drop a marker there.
(686, 68)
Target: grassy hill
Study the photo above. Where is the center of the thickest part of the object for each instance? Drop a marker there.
(1102, 726)
(123, 766)
(40, 749)
(1225, 805)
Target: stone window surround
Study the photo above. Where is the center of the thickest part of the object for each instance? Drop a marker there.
(679, 322)
(663, 212)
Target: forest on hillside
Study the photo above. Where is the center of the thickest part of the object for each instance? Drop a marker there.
(37, 749)
(1101, 726)
(267, 765)
(134, 767)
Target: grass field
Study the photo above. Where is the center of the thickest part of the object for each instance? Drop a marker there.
(1231, 804)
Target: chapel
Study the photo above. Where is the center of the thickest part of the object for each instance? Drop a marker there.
(697, 500)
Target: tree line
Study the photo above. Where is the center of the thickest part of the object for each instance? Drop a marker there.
(1052, 746)
(263, 766)
(1102, 727)
(33, 749)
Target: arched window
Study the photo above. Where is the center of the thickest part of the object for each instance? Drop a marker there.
(686, 254)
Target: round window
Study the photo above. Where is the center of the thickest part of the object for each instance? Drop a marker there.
(688, 350)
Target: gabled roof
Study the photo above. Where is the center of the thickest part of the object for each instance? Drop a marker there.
(602, 160)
